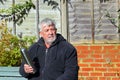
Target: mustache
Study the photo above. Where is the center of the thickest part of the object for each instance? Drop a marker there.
(51, 35)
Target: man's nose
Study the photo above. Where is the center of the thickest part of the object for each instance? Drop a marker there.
(50, 31)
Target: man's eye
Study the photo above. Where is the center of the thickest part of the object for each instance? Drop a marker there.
(52, 29)
(46, 30)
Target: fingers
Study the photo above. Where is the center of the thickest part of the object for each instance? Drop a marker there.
(28, 69)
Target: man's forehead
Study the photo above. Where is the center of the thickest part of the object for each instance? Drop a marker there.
(48, 27)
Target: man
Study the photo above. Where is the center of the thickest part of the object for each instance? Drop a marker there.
(54, 58)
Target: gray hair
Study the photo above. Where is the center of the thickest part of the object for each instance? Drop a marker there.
(48, 22)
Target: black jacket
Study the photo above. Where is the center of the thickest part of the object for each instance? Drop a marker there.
(59, 62)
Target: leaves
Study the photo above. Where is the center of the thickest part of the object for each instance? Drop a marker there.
(9, 47)
(18, 13)
(52, 3)
(113, 20)
(2, 1)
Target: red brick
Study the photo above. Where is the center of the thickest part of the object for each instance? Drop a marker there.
(95, 74)
(118, 47)
(82, 47)
(88, 60)
(84, 73)
(118, 56)
(99, 60)
(87, 69)
(83, 65)
(105, 78)
(95, 65)
(109, 47)
(86, 51)
(96, 56)
(109, 56)
(96, 48)
(100, 52)
(118, 64)
(113, 51)
(113, 69)
(82, 55)
(101, 69)
(116, 78)
(102, 78)
(92, 78)
(109, 74)
(80, 78)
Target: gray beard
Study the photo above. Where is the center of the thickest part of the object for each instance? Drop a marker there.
(50, 42)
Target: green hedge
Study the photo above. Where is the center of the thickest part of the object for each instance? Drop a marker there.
(10, 47)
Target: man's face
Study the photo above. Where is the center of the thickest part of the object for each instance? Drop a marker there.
(48, 33)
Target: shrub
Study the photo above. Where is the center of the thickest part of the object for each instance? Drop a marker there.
(10, 47)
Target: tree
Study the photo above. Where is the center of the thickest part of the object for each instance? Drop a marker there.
(19, 11)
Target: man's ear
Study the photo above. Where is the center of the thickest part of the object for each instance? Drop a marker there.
(40, 33)
(56, 31)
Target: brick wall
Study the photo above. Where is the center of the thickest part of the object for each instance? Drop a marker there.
(99, 62)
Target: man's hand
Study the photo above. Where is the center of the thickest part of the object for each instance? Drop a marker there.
(28, 68)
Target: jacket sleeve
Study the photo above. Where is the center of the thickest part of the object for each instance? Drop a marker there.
(71, 66)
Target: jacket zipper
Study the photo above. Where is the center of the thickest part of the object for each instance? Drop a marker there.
(46, 52)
